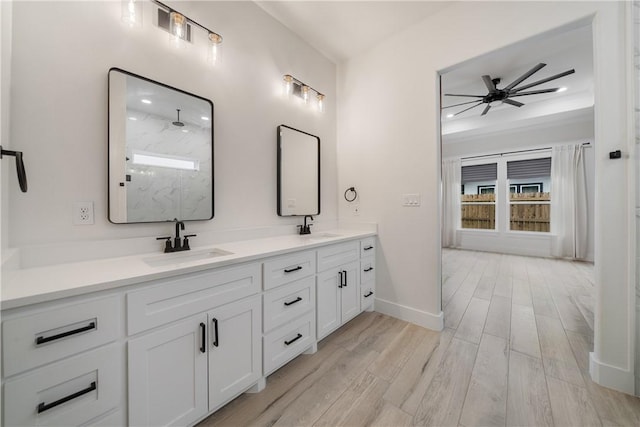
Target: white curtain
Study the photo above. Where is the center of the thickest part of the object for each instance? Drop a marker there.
(450, 202)
(568, 202)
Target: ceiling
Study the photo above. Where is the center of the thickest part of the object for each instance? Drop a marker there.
(343, 29)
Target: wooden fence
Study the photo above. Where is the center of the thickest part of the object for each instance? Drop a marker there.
(478, 211)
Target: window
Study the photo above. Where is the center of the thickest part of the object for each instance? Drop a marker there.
(478, 199)
(529, 204)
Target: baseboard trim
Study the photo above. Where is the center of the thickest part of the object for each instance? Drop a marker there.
(611, 376)
(410, 314)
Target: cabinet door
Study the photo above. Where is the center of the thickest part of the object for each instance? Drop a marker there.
(350, 291)
(168, 375)
(235, 350)
(328, 302)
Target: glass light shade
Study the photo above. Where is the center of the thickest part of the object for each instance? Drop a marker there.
(177, 28)
(213, 49)
(132, 12)
(320, 98)
(305, 94)
(288, 84)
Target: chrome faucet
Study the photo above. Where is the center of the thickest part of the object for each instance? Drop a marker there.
(304, 229)
(178, 245)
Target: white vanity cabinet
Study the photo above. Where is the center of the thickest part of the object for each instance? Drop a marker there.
(61, 365)
(338, 287)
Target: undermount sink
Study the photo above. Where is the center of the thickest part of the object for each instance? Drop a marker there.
(182, 257)
(320, 236)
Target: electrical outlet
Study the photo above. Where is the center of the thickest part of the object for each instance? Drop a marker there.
(83, 213)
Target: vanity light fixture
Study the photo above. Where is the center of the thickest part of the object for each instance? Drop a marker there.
(293, 86)
(132, 12)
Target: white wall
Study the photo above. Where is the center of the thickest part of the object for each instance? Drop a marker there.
(388, 145)
(59, 112)
(5, 77)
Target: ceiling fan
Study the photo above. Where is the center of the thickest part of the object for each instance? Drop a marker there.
(510, 91)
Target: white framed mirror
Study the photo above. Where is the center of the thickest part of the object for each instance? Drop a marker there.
(160, 152)
(298, 172)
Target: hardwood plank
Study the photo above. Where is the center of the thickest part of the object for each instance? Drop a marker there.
(390, 416)
(570, 316)
(485, 287)
(355, 330)
(528, 399)
(428, 372)
(557, 356)
(543, 304)
(571, 405)
(378, 336)
(524, 334)
(393, 358)
(472, 323)
(521, 292)
(486, 401)
(442, 403)
(499, 317)
(616, 407)
(581, 346)
(358, 405)
(504, 286)
(408, 379)
(307, 403)
(454, 311)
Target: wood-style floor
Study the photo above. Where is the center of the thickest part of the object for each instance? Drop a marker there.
(514, 352)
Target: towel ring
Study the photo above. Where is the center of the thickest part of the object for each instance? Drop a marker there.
(352, 190)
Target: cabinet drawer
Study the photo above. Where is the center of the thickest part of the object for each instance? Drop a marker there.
(178, 298)
(69, 393)
(287, 268)
(288, 341)
(367, 295)
(335, 255)
(367, 269)
(368, 247)
(50, 335)
(288, 302)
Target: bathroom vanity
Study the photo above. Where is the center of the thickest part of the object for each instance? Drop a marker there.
(167, 339)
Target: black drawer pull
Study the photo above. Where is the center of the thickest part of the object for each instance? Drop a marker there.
(368, 248)
(345, 277)
(294, 301)
(45, 407)
(215, 332)
(368, 269)
(291, 270)
(42, 340)
(369, 294)
(293, 340)
(203, 342)
(341, 281)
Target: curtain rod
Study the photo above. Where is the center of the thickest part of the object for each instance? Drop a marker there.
(587, 144)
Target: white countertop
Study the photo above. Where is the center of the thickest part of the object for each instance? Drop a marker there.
(39, 284)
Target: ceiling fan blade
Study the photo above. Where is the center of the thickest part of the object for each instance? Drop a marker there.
(548, 79)
(525, 76)
(467, 109)
(512, 102)
(489, 84)
(534, 92)
(462, 103)
(486, 109)
(468, 96)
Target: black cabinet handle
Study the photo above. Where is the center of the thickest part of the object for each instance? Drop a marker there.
(368, 269)
(45, 407)
(293, 340)
(344, 276)
(369, 294)
(340, 274)
(291, 270)
(293, 302)
(42, 340)
(215, 332)
(203, 342)
(368, 248)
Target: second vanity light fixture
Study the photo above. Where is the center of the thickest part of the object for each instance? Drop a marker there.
(178, 25)
(293, 86)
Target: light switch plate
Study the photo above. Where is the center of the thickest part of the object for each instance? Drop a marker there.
(411, 200)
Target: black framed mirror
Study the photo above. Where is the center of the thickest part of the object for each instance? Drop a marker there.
(298, 172)
(160, 151)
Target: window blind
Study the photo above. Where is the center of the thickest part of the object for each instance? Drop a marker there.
(532, 168)
(475, 173)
